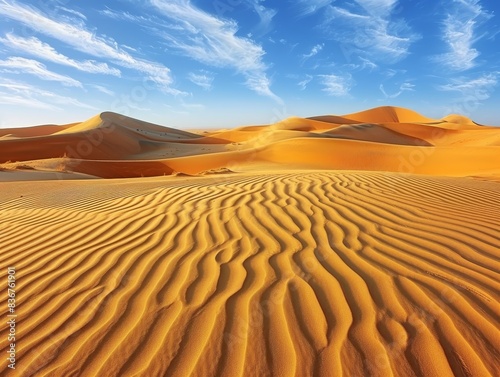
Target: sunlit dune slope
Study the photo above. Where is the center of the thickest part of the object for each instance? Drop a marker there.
(387, 138)
(389, 114)
(310, 273)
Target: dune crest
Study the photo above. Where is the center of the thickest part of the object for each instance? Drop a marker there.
(111, 145)
(389, 114)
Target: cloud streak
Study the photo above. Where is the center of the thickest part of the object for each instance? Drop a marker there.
(459, 34)
(314, 51)
(102, 89)
(213, 41)
(307, 7)
(303, 84)
(265, 15)
(18, 65)
(203, 79)
(369, 30)
(405, 87)
(336, 85)
(35, 47)
(19, 93)
(480, 87)
(83, 40)
(472, 91)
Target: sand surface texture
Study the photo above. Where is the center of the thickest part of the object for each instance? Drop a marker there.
(358, 245)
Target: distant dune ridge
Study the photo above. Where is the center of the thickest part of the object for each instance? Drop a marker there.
(393, 139)
(365, 244)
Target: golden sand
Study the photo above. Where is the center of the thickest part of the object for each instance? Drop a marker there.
(358, 245)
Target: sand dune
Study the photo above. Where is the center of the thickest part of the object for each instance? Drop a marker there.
(364, 244)
(386, 139)
(297, 274)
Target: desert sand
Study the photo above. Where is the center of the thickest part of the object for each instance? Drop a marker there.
(363, 244)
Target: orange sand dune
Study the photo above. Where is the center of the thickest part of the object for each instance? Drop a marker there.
(393, 139)
(31, 131)
(365, 244)
(298, 274)
(389, 114)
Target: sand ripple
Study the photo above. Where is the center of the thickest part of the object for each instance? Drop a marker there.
(299, 274)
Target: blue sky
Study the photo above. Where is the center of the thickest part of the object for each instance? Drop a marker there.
(224, 63)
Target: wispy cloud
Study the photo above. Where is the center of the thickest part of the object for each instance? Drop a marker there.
(146, 21)
(369, 30)
(35, 47)
(405, 87)
(363, 64)
(21, 93)
(390, 73)
(336, 85)
(314, 51)
(367, 64)
(303, 83)
(213, 41)
(266, 16)
(72, 11)
(10, 99)
(472, 91)
(479, 87)
(203, 79)
(15, 64)
(459, 34)
(102, 89)
(81, 39)
(377, 8)
(307, 7)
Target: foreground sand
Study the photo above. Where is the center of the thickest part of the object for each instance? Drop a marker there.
(298, 274)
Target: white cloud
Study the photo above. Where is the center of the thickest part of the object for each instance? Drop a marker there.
(262, 85)
(26, 94)
(10, 99)
(402, 88)
(266, 16)
(15, 64)
(120, 15)
(81, 39)
(147, 22)
(303, 83)
(367, 63)
(307, 7)
(377, 8)
(459, 34)
(478, 87)
(314, 51)
(335, 85)
(390, 73)
(213, 41)
(102, 89)
(472, 91)
(370, 30)
(203, 79)
(72, 11)
(36, 47)
(364, 64)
